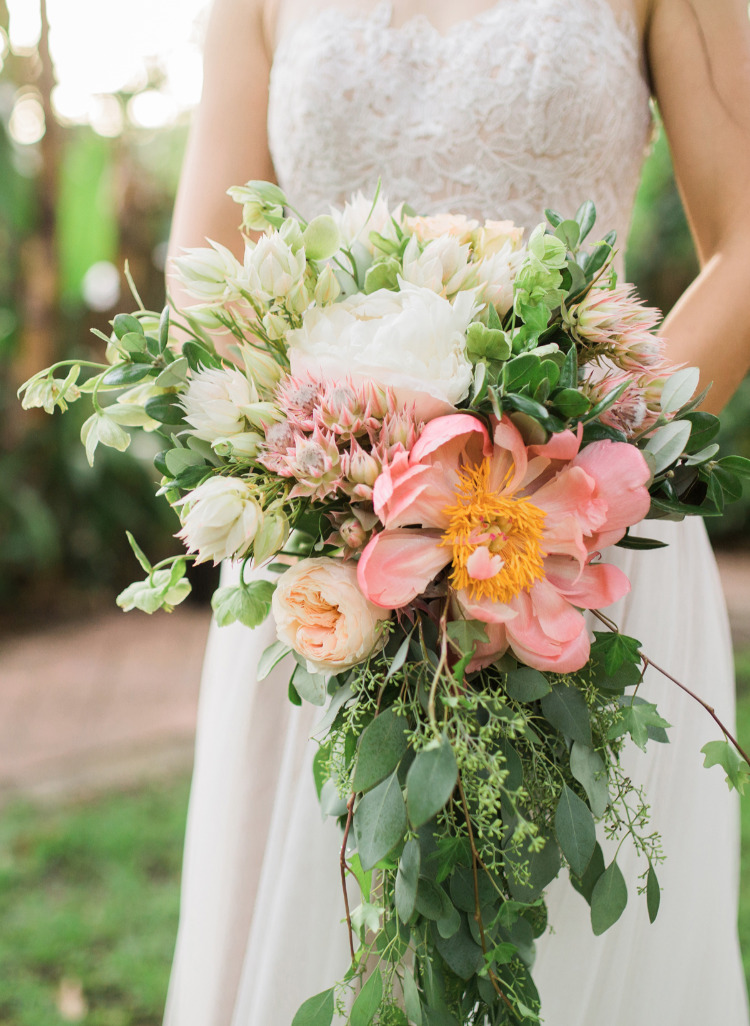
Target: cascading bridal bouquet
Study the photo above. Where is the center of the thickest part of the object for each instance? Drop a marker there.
(431, 430)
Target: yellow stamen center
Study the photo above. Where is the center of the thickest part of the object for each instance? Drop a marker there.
(510, 529)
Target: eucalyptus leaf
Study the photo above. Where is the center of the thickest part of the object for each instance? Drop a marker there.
(587, 766)
(585, 885)
(653, 894)
(568, 232)
(430, 781)
(574, 827)
(430, 899)
(407, 879)
(381, 747)
(565, 708)
(310, 686)
(270, 657)
(340, 698)
(668, 443)
(462, 954)
(367, 1001)
(543, 865)
(527, 685)
(608, 900)
(412, 999)
(316, 1011)
(379, 821)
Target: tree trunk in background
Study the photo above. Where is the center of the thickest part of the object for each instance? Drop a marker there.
(39, 265)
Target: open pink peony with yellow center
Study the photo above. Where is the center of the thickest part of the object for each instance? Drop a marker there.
(519, 526)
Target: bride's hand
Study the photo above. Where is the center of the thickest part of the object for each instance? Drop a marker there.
(699, 58)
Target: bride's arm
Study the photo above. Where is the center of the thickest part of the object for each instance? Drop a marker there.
(699, 57)
(228, 143)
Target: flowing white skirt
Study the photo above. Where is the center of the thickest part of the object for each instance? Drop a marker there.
(260, 924)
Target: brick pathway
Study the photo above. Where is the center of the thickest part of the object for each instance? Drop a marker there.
(103, 703)
(112, 701)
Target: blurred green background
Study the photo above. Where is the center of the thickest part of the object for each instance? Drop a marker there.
(88, 892)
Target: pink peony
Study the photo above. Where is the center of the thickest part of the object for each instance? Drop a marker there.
(518, 526)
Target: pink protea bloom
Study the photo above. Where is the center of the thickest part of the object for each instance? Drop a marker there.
(519, 528)
(615, 323)
(359, 471)
(399, 430)
(313, 461)
(298, 399)
(348, 409)
(639, 406)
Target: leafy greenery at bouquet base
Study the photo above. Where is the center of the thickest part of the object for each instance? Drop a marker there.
(89, 894)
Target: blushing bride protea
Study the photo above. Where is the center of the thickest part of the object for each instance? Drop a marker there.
(520, 528)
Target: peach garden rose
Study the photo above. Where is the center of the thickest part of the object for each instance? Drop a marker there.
(321, 613)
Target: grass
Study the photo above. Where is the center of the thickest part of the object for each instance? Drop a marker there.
(88, 905)
(89, 900)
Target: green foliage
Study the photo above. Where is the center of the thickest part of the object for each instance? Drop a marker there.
(316, 1011)
(722, 753)
(608, 900)
(97, 877)
(430, 781)
(248, 604)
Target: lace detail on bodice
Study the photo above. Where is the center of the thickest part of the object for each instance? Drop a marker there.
(533, 103)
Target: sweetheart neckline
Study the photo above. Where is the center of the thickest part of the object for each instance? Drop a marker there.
(381, 15)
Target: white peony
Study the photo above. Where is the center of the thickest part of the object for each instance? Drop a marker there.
(220, 519)
(321, 613)
(413, 341)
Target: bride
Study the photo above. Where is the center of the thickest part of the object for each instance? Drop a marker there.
(493, 110)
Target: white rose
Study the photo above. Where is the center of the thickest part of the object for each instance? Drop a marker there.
(273, 269)
(413, 341)
(321, 613)
(220, 519)
(215, 402)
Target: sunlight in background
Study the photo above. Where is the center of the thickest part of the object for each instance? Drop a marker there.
(100, 49)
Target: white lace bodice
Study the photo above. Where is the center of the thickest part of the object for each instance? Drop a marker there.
(531, 104)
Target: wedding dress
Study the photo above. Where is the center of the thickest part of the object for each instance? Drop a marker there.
(533, 103)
